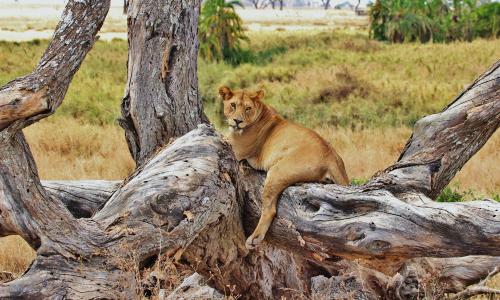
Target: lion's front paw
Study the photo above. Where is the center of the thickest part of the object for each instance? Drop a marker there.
(254, 240)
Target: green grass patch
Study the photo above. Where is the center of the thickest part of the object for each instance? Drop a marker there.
(453, 193)
(334, 78)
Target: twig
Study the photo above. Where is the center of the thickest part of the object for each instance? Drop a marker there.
(473, 291)
(479, 288)
(490, 274)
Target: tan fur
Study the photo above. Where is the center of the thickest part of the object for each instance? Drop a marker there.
(289, 152)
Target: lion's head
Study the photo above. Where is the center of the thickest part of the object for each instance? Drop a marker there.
(241, 108)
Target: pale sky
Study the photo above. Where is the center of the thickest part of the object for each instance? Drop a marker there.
(113, 2)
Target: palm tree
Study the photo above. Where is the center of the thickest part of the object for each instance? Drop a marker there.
(220, 29)
(405, 21)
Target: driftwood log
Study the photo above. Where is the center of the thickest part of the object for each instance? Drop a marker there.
(190, 199)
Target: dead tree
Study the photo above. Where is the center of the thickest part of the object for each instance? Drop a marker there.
(273, 3)
(326, 4)
(190, 199)
(261, 4)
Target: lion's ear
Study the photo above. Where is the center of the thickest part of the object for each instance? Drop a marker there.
(259, 95)
(225, 93)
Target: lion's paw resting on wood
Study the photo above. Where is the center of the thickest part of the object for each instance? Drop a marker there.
(288, 152)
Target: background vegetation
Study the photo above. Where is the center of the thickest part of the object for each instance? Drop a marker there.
(220, 30)
(400, 21)
(342, 78)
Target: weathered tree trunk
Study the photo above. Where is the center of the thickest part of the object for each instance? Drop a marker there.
(161, 99)
(190, 199)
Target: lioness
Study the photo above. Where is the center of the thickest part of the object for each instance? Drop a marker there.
(288, 152)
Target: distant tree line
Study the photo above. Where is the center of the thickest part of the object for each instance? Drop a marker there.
(260, 4)
(400, 21)
(221, 31)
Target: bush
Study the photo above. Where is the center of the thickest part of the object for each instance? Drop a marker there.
(453, 195)
(220, 30)
(487, 20)
(399, 21)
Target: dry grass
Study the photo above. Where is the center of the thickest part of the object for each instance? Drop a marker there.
(15, 255)
(65, 149)
(369, 150)
(494, 282)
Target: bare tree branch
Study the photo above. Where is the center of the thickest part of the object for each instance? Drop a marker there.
(38, 94)
(442, 143)
(322, 222)
(83, 198)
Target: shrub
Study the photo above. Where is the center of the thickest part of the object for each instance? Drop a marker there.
(453, 195)
(400, 21)
(487, 20)
(220, 30)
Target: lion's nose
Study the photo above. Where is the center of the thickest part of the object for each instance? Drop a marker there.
(237, 122)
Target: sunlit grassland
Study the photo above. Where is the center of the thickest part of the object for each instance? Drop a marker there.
(362, 96)
(334, 78)
(345, 79)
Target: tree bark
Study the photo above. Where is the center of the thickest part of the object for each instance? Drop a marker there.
(161, 98)
(82, 198)
(189, 198)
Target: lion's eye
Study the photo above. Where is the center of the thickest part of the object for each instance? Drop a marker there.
(248, 108)
(233, 105)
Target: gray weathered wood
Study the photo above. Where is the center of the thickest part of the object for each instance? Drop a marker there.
(323, 222)
(182, 201)
(435, 277)
(161, 99)
(83, 198)
(421, 278)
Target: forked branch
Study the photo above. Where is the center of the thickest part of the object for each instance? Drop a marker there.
(37, 95)
(442, 143)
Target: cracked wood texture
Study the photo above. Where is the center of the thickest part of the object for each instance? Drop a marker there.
(83, 198)
(324, 222)
(161, 98)
(189, 198)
